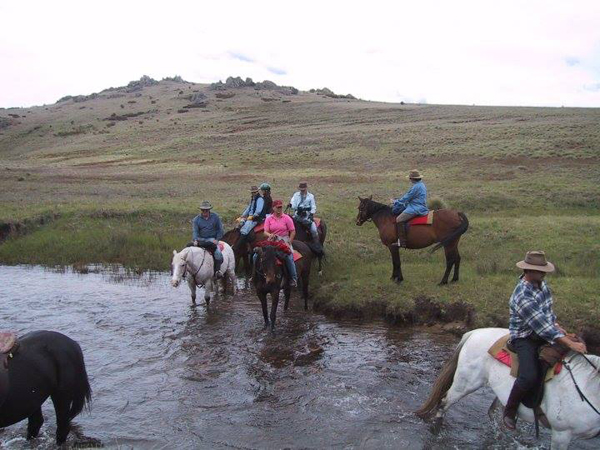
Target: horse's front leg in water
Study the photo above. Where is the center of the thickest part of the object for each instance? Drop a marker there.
(208, 289)
(192, 285)
(36, 420)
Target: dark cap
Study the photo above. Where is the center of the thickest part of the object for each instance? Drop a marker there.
(303, 185)
(277, 203)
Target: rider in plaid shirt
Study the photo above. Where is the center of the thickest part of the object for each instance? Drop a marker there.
(531, 312)
(532, 324)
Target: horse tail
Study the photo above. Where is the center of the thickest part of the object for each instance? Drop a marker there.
(443, 382)
(462, 229)
(81, 396)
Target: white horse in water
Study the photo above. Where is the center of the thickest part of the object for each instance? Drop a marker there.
(198, 265)
(471, 367)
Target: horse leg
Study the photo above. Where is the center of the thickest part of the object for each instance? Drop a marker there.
(274, 302)
(263, 303)
(397, 265)
(192, 286)
(232, 280)
(451, 254)
(456, 264)
(208, 289)
(62, 404)
(467, 379)
(287, 293)
(36, 421)
(304, 280)
(320, 266)
(561, 440)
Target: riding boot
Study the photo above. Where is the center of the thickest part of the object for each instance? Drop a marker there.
(512, 405)
(401, 229)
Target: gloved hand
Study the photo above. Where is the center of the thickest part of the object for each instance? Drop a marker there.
(195, 243)
(250, 218)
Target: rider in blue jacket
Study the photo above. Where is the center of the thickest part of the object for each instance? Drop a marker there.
(207, 227)
(411, 204)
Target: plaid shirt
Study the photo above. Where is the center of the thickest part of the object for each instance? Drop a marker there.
(531, 312)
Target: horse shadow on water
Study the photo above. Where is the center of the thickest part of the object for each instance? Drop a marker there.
(39, 365)
(270, 276)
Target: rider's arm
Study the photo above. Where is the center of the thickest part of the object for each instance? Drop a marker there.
(291, 228)
(313, 205)
(195, 230)
(260, 204)
(219, 226)
(246, 211)
(526, 305)
(578, 347)
(294, 201)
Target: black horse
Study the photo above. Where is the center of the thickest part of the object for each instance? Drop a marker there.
(45, 364)
(303, 234)
(269, 277)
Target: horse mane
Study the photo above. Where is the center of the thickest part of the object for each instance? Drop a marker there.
(374, 207)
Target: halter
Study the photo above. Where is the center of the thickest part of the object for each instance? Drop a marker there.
(197, 271)
(581, 395)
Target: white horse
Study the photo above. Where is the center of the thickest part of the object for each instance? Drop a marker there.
(198, 264)
(471, 367)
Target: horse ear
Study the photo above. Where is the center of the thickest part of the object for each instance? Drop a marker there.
(360, 198)
(174, 252)
(371, 197)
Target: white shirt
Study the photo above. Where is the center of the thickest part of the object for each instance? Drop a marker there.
(308, 201)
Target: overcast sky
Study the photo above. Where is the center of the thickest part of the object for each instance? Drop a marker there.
(542, 53)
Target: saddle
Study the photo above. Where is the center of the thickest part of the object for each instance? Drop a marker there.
(422, 220)
(9, 345)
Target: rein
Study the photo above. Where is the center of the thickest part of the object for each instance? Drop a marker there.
(197, 271)
(373, 208)
(581, 395)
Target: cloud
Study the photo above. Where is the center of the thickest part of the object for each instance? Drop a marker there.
(571, 61)
(241, 57)
(276, 71)
(592, 87)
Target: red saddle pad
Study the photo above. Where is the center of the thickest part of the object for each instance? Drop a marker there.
(504, 357)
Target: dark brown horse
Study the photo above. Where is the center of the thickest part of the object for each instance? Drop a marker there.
(303, 234)
(269, 277)
(447, 228)
(243, 252)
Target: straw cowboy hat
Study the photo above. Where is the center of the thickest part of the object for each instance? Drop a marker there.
(414, 175)
(205, 205)
(536, 261)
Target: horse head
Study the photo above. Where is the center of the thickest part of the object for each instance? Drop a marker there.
(266, 264)
(178, 268)
(364, 212)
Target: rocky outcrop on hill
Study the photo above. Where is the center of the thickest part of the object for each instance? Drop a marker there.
(176, 79)
(238, 83)
(140, 84)
(78, 98)
(329, 93)
(198, 100)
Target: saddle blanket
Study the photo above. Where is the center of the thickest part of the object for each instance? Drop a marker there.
(422, 220)
(297, 256)
(261, 226)
(501, 353)
(221, 245)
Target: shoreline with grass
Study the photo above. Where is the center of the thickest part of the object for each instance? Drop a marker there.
(124, 191)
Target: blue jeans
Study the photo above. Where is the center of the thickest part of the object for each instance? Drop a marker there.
(248, 226)
(289, 262)
(218, 255)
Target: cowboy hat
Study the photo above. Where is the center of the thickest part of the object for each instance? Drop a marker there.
(303, 185)
(536, 260)
(414, 175)
(253, 189)
(205, 205)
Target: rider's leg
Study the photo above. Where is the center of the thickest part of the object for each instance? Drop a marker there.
(218, 261)
(527, 350)
(314, 232)
(291, 266)
(401, 228)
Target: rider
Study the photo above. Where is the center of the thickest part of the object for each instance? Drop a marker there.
(411, 204)
(532, 324)
(304, 206)
(279, 226)
(254, 214)
(265, 192)
(207, 227)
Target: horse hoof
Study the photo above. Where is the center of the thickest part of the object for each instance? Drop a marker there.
(320, 273)
(443, 283)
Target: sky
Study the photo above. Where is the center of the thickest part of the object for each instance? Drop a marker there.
(529, 53)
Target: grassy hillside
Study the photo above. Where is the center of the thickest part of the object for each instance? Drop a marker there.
(124, 190)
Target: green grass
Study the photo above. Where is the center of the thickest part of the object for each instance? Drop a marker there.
(527, 178)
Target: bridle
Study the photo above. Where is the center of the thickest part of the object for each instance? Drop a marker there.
(581, 395)
(185, 268)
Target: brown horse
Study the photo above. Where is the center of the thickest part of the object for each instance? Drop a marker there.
(269, 278)
(447, 228)
(243, 252)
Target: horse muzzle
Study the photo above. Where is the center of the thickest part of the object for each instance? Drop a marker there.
(175, 283)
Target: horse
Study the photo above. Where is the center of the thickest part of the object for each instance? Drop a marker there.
(269, 277)
(199, 265)
(45, 364)
(243, 252)
(303, 234)
(471, 368)
(447, 228)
